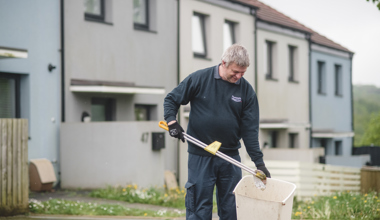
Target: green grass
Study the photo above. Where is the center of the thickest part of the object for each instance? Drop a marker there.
(174, 198)
(343, 205)
(155, 196)
(64, 207)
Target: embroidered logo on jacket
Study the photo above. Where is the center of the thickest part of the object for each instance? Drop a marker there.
(236, 99)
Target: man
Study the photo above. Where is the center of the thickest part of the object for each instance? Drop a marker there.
(224, 108)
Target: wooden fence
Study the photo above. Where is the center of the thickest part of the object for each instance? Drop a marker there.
(14, 181)
(370, 179)
(313, 179)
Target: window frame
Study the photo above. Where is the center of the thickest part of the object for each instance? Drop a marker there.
(273, 135)
(151, 111)
(148, 111)
(145, 26)
(17, 91)
(202, 18)
(324, 144)
(93, 17)
(232, 28)
(110, 107)
(338, 80)
(338, 147)
(321, 77)
(270, 60)
(292, 63)
(293, 140)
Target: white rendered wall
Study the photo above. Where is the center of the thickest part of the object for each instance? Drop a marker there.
(216, 16)
(281, 99)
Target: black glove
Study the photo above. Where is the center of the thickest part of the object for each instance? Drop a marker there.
(264, 169)
(175, 130)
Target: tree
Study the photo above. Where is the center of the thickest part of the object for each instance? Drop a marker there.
(372, 133)
(376, 1)
(366, 102)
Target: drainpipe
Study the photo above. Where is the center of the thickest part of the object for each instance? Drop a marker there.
(308, 37)
(178, 42)
(58, 185)
(255, 52)
(62, 64)
(352, 100)
(178, 81)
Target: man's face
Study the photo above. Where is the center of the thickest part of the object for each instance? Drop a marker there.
(232, 73)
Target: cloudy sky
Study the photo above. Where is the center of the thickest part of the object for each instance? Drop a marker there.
(354, 24)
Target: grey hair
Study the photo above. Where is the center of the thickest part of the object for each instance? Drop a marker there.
(236, 54)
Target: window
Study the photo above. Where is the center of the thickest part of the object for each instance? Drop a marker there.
(323, 144)
(338, 148)
(338, 80)
(321, 78)
(292, 63)
(103, 109)
(293, 140)
(270, 59)
(273, 139)
(228, 34)
(145, 112)
(94, 10)
(9, 96)
(199, 35)
(140, 14)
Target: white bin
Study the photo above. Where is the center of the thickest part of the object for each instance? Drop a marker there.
(275, 202)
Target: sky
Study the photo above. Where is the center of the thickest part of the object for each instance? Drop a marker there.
(354, 24)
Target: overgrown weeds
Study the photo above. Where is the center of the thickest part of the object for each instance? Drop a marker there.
(340, 205)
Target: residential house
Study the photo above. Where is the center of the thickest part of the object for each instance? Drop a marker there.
(332, 101)
(305, 92)
(120, 60)
(91, 77)
(206, 29)
(30, 71)
(282, 81)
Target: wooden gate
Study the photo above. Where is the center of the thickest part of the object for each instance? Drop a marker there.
(14, 181)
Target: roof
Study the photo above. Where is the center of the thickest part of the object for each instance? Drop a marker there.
(322, 40)
(271, 15)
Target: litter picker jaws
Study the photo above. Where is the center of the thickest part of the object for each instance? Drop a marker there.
(213, 149)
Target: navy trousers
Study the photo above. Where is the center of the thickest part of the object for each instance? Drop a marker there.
(204, 173)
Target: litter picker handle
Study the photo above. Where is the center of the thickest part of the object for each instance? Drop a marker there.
(163, 125)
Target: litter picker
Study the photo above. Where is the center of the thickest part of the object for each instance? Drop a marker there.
(213, 148)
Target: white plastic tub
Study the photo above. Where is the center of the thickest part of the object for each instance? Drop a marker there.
(275, 202)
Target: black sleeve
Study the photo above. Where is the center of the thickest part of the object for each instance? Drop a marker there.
(250, 129)
(181, 95)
